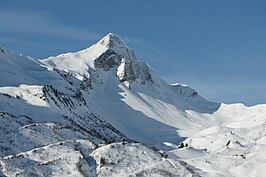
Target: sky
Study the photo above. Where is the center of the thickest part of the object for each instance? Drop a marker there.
(217, 47)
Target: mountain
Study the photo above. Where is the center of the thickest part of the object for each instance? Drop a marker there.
(101, 112)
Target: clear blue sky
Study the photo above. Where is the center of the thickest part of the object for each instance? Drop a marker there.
(217, 47)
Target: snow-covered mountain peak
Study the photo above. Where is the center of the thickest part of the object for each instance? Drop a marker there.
(113, 41)
(110, 53)
(90, 112)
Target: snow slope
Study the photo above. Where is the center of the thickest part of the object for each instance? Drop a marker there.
(67, 116)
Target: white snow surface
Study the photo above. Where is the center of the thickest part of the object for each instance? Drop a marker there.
(101, 112)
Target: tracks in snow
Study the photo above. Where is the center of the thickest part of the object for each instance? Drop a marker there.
(254, 143)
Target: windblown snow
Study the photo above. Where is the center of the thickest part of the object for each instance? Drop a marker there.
(101, 112)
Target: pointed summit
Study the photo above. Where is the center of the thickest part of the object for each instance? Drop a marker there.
(112, 40)
(115, 43)
(110, 52)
